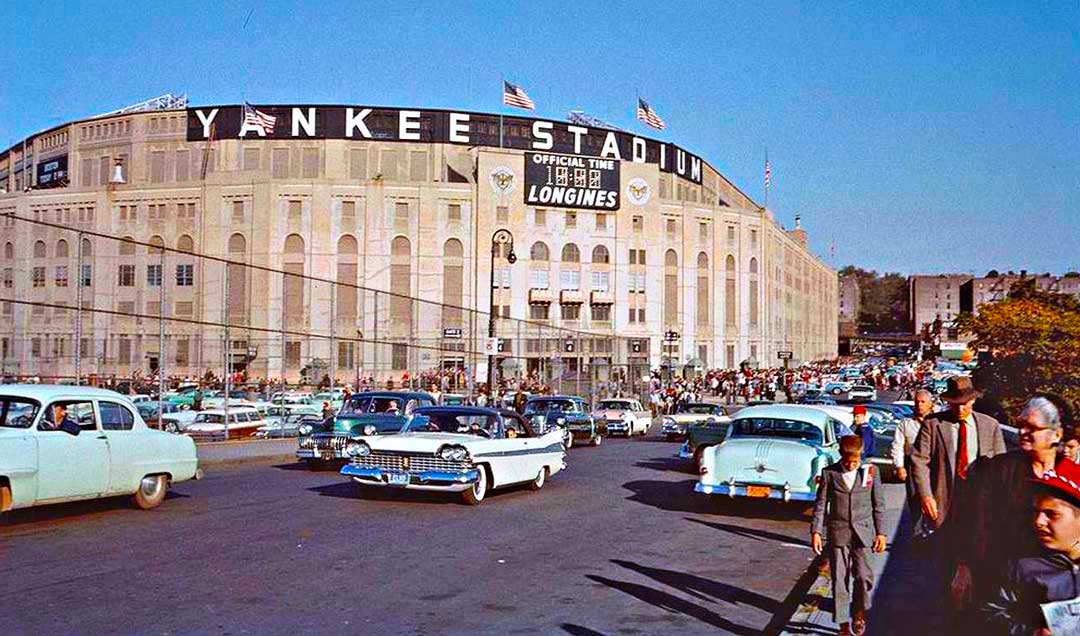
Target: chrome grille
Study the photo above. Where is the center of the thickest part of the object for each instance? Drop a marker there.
(324, 443)
(390, 461)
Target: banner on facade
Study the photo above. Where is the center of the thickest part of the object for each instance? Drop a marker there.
(571, 181)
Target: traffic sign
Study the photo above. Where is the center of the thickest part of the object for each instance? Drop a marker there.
(635, 346)
(491, 346)
(451, 332)
(783, 355)
(568, 346)
(671, 336)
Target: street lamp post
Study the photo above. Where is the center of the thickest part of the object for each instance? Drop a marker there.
(499, 238)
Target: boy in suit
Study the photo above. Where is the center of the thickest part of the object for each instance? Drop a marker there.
(850, 510)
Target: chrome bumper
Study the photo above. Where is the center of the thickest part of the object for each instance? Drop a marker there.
(417, 480)
(739, 490)
(314, 453)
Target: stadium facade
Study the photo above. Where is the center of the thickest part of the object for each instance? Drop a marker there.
(615, 234)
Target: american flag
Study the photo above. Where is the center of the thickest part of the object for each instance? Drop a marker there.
(514, 96)
(258, 119)
(646, 114)
(768, 174)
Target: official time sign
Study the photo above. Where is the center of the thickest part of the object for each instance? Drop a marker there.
(571, 181)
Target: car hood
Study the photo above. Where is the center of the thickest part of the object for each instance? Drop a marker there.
(420, 442)
(762, 460)
(354, 424)
(611, 414)
(692, 417)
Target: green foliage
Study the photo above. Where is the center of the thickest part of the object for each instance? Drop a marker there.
(883, 306)
(1034, 339)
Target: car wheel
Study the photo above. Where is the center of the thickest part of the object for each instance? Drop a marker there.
(541, 478)
(475, 495)
(151, 492)
(596, 440)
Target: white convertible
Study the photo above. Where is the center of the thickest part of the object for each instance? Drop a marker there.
(622, 416)
(468, 450)
(65, 443)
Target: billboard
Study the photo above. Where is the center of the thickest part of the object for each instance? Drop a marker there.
(53, 172)
(571, 181)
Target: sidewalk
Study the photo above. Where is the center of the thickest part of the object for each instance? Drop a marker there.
(251, 450)
(903, 587)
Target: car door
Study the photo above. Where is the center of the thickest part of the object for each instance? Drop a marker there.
(118, 427)
(72, 466)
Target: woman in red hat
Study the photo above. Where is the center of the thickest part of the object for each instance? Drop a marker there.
(1046, 586)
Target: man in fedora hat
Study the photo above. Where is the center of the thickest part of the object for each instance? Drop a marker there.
(947, 444)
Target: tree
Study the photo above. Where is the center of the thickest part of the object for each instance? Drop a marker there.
(1033, 338)
(883, 306)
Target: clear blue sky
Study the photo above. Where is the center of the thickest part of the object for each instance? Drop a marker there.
(920, 136)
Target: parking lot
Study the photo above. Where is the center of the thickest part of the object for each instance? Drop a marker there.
(617, 544)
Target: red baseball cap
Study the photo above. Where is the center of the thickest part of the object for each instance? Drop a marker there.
(858, 409)
(1063, 481)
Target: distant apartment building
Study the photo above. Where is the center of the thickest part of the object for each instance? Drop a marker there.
(935, 297)
(850, 302)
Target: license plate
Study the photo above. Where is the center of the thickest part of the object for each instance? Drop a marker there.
(398, 479)
(757, 491)
(328, 455)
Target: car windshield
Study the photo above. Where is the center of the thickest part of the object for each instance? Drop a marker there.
(212, 418)
(697, 409)
(547, 406)
(365, 404)
(775, 427)
(616, 405)
(862, 387)
(441, 422)
(17, 412)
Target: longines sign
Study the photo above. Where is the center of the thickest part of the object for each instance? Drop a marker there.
(437, 126)
(571, 181)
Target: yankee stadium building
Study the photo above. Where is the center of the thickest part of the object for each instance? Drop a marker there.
(614, 234)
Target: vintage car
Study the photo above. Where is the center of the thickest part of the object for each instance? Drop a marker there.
(863, 392)
(464, 449)
(775, 452)
(364, 414)
(210, 425)
(103, 448)
(702, 435)
(569, 412)
(622, 416)
(673, 427)
(289, 422)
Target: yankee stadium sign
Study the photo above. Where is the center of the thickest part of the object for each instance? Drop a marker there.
(437, 126)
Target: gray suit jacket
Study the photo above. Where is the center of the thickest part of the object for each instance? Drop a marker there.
(934, 457)
(859, 512)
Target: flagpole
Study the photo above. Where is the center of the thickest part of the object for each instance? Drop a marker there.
(767, 177)
(502, 91)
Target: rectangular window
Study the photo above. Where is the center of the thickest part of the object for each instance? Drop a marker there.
(601, 221)
(61, 276)
(9, 277)
(399, 355)
(296, 211)
(348, 212)
(157, 167)
(502, 214)
(84, 347)
(669, 225)
(127, 276)
(401, 211)
(538, 312)
(184, 309)
(538, 278)
(185, 275)
(418, 166)
(279, 163)
(153, 275)
(123, 351)
(601, 281)
(601, 313)
(540, 216)
(633, 314)
(311, 167)
(571, 220)
(703, 232)
(292, 353)
(731, 235)
(570, 279)
(185, 211)
(251, 159)
(571, 312)
(35, 347)
(37, 276)
(238, 211)
(453, 212)
(641, 314)
(126, 307)
(389, 167)
(358, 164)
(753, 238)
(345, 355)
(87, 275)
(183, 165)
(182, 347)
(638, 224)
(153, 308)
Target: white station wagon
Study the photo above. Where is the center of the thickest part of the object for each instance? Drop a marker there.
(66, 443)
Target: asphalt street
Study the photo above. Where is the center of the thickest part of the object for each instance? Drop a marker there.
(617, 544)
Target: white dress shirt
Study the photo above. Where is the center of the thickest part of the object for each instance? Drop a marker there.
(849, 478)
(904, 438)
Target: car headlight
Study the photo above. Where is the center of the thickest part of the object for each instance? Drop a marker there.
(370, 429)
(453, 453)
(667, 421)
(560, 421)
(305, 429)
(357, 449)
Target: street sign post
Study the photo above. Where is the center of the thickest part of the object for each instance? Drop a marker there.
(784, 355)
(451, 332)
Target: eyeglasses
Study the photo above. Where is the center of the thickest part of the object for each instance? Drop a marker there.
(1031, 430)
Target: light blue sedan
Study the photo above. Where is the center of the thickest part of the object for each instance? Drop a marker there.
(771, 452)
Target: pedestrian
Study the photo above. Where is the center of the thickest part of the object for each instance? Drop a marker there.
(1046, 584)
(861, 427)
(850, 512)
(904, 443)
(327, 411)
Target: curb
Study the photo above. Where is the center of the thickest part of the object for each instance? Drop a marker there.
(809, 608)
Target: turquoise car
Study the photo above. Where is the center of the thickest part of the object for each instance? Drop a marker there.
(365, 414)
(66, 443)
(771, 452)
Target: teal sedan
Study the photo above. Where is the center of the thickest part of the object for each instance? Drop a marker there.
(771, 452)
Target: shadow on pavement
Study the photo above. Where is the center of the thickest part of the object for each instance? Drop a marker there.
(60, 511)
(752, 533)
(578, 630)
(909, 586)
(702, 588)
(678, 496)
(674, 604)
(667, 464)
(327, 467)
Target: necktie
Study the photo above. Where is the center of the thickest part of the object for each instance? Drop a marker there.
(962, 451)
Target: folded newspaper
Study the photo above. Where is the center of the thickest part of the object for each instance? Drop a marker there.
(1063, 617)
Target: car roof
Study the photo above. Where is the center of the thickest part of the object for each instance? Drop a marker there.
(394, 394)
(815, 415)
(536, 398)
(699, 404)
(46, 392)
(460, 410)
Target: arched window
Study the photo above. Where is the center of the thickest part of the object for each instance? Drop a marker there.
(294, 244)
(401, 308)
(185, 244)
(87, 248)
(704, 311)
(570, 253)
(600, 255)
(39, 249)
(453, 283)
(293, 292)
(730, 293)
(539, 252)
(237, 303)
(9, 250)
(671, 288)
(61, 249)
(753, 266)
(156, 243)
(345, 292)
(127, 248)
